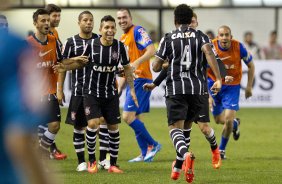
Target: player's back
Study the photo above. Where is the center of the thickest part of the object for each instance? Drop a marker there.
(182, 47)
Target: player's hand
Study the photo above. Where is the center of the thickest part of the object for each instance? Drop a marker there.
(133, 95)
(216, 87)
(61, 97)
(165, 64)
(149, 86)
(59, 68)
(228, 79)
(248, 92)
(120, 72)
(80, 59)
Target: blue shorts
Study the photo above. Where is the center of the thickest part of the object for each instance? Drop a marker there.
(227, 98)
(142, 96)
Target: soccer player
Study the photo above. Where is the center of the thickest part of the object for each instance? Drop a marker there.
(18, 119)
(202, 119)
(184, 48)
(55, 17)
(76, 46)
(49, 53)
(226, 102)
(100, 92)
(141, 49)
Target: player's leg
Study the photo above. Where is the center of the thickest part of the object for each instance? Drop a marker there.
(110, 111)
(143, 137)
(53, 118)
(103, 163)
(76, 117)
(92, 111)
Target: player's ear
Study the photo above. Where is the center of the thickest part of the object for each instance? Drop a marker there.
(231, 36)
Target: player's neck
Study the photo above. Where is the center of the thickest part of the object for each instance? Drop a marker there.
(85, 35)
(106, 42)
(41, 37)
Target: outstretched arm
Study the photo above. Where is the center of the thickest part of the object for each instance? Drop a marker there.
(214, 66)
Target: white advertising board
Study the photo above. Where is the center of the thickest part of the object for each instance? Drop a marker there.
(267, 88)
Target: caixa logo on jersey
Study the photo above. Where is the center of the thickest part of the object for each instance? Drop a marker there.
(45, 64)
(104, 68)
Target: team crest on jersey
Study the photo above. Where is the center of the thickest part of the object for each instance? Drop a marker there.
(87, 111)
(73, 115)
(115, 55)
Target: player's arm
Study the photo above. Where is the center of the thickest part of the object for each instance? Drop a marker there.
(150, 51)
(61, 77)
(157, 81)
(128, 71)
(160, 56)
(248, 60)
(144, 42)
(206, 48)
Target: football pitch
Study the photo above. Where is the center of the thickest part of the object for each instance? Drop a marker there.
(255, 158)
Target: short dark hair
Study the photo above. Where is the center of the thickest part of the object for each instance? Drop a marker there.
(39, 11)
(3, 17)
(107, 18)
(53, 8)
(125, 9)
(83, 13)
(183, 14)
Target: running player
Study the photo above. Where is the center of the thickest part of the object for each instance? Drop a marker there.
(226, 103)
(186, 82)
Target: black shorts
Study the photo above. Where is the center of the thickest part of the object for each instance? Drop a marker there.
(204, 115)
(182, 107)
(51, 108)
(107, 107)
(76, 114)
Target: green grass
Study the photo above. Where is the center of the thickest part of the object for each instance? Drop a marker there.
(255, 158)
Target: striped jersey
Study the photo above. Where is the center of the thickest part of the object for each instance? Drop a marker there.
(136, 41)
(231, 59)
(76, 46)
(49, 54)
(186, 71)
(102, 67)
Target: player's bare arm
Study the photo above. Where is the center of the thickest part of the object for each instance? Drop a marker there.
(78, 59)
(60, 87)
(150, 51)
(251, 74)
(157, 64)
(128, 71)
(214, 66)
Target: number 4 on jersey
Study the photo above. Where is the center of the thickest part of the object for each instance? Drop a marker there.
(185, 58)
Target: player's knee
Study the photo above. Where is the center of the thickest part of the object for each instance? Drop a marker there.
(54, 127)
(93, 124)
(128, 118)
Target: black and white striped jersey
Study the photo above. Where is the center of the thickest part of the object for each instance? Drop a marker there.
(76, 46)
(102, 67)
(186, 72)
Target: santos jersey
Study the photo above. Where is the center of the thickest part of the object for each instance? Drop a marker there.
(231, 59)
(182, 48)
(76, 46)
(136, 41)
(49, 54)
(102, 67)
